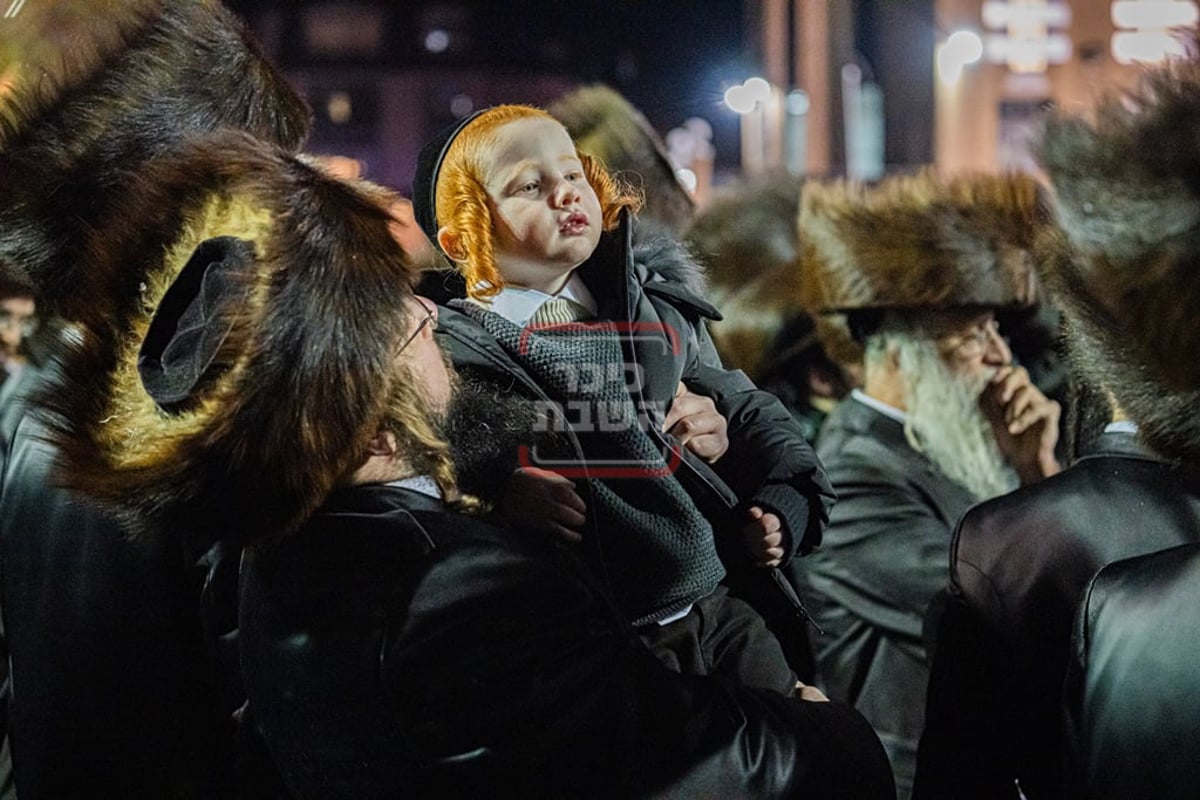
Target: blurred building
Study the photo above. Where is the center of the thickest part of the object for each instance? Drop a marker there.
(820, 87)
(1002, 65)
(866, 87)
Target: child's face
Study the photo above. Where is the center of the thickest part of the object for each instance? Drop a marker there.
(546, 216)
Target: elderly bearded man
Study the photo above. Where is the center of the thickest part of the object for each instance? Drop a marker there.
(918, 267)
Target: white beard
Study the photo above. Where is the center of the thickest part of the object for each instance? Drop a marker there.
(946, 424)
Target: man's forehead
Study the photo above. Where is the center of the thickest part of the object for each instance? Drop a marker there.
(18, 303)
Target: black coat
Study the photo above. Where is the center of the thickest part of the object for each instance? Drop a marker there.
(394, 648)
(1019, 565)
(654, 288)
(883, 560)
(115, 689)
(1132, 686)
(655, 292)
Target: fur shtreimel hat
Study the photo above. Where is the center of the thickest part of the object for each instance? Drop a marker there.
(606, 125)
(1126, 191)
(89, 91)
(747, 241)
(917, 243)
(258, 365)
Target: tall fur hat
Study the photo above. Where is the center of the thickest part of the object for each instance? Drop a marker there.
(747, 241)
(91, 90)
(606, 125)
(917, 243)
(302, 363)
(1126, 191)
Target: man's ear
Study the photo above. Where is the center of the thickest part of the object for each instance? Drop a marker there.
(382, 444)
(451, 243)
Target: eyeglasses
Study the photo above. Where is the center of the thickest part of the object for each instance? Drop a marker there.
(429, 321)
(10, 321)
(975, 343)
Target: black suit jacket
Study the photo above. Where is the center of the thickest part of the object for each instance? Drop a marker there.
(394, 648)
(883, 559)
(1019, 566)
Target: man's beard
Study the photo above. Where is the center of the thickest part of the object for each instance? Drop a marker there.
(485, 427)
(946, 424)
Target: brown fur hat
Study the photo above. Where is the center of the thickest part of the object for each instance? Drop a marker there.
(746, 239)
(306, 365)
(917, 243)
(606, 125)
(89, 91)
(1126, 190)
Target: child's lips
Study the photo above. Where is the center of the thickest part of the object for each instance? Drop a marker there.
(575, 223)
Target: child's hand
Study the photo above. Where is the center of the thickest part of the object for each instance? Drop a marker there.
(763, 537)
(696, 423)
(543, 501)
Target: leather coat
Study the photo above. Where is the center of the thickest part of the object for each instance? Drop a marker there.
(1001, 629)
(1131, 689)
(394, 648)
(115, 691)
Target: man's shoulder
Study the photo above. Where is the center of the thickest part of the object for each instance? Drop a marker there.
(392, 518)
(1172, 573)
(1085, 491)
(855, 434)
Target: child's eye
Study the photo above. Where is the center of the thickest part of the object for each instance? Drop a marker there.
(574, 175)
(530, 186)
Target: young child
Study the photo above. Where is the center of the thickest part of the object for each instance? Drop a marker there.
(542, 236)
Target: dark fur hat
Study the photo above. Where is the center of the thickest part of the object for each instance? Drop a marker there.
(1126, 190)
(305, 364)
(89, 96)
(606, 125)
(919, 243)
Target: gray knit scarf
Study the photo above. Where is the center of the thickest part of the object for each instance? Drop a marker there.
(657, 548)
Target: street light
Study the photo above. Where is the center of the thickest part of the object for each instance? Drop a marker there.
(750, 100)
(960, 49)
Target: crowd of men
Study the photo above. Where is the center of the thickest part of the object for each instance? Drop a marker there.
(241, 553)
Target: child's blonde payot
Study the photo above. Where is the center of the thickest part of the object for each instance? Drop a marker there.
(462, 200)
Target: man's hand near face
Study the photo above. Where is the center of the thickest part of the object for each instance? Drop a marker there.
(1024, 421)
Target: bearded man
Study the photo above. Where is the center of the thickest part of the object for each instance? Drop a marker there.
(918, 268)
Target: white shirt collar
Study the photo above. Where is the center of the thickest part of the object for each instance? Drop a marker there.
(881, 407)
(1121, 426)
(517, 304)
(419, 483)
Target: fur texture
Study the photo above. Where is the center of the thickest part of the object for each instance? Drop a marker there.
(917, 243)
(748, 240)
(310, 358)
(96, 94)
(605, 125)
(1127, 193)
(666, 259)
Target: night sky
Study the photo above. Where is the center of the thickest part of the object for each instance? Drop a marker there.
(671, 58)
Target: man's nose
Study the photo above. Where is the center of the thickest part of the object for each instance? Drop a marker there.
(996, 351)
